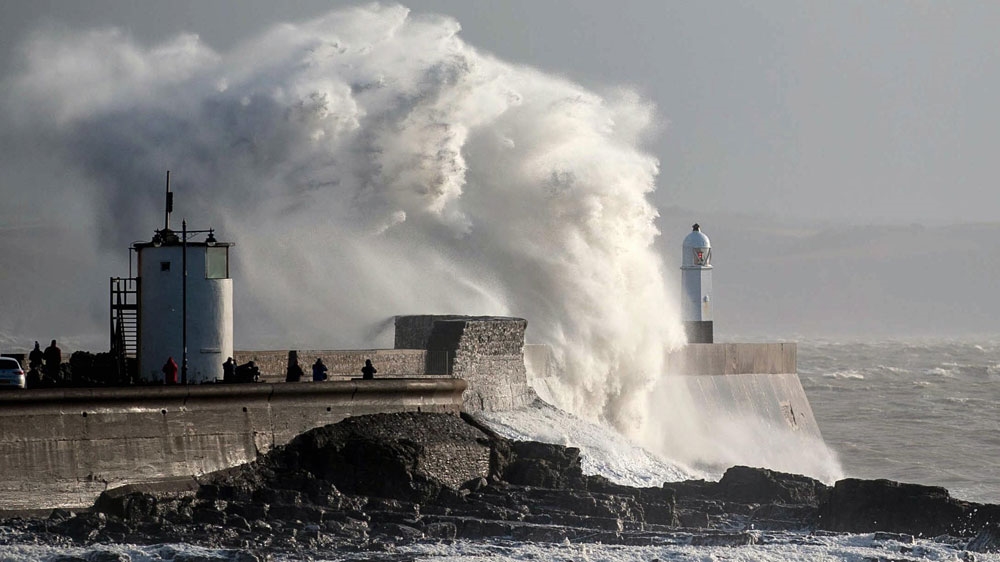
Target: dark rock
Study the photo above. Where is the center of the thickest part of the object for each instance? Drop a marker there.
(83, 527)
(696, 519)
(208, 516)
(398, 531)
(475, 484)
(134, 506)
(404, 456)
(744, 484)
(777, 516)
(544, 465)
(540, 533)
(987, 539)
(864, 506)
(60, 515)
(441, 530)
(898, 537)
(372, 482)
(296, 513)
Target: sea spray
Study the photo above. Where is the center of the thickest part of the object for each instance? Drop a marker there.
(370, 163)
(367, 163)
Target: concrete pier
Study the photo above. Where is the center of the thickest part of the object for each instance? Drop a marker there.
(63, 447)
(756, 380)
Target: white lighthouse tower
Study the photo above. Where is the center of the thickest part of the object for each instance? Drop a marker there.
(696, 286)
(179, 305)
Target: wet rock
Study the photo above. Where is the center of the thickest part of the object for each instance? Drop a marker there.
(544, 465)
(372, 482)
(723, 539)
(441, 530)
(695, 519)
(898, 537)
(986, 540)
(744, 484)
(864, 506)
(134, 506)
(403, 456)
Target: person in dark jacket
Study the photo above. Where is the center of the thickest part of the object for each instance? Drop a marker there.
(35, 358)
(229, 370)
(369, 370)
(319, 370)
(294, 370)
(53, 358)
(170, 371)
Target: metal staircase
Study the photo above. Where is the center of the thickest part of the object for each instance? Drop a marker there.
(124, 320)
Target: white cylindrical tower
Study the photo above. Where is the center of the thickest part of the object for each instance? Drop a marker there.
(696, 286)
(172, 309)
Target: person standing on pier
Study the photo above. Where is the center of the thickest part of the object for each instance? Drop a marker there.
(294, 373)
(35, 358)
(229, 370)
(53, 358)
(170, 371)
(368, 371)
(319, 370)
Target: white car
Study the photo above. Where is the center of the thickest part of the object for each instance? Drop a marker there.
(11, 373)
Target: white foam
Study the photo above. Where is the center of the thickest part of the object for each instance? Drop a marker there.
(603, 451)
(850, 374)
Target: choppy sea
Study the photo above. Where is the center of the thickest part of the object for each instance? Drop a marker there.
(916, 411)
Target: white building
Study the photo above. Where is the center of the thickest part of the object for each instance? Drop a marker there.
(174, 309)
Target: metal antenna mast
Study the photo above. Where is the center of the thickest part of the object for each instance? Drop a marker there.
(170, 205)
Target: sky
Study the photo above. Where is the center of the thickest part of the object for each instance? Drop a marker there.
(840, 155)
(849, 111)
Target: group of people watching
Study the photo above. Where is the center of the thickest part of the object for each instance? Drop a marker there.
(320, 370)
(249, 372)
(46, 362)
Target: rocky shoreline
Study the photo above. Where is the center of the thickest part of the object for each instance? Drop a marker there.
(372, 483)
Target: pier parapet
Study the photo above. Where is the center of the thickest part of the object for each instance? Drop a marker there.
(485, 351)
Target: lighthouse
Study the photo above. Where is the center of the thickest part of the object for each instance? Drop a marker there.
(179, 305)
(696, 286)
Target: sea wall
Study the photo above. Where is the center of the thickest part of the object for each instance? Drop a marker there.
(731, 383)
(62, 447)
(751, 381)
(485, 351)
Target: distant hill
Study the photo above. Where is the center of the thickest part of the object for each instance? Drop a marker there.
(786, 278)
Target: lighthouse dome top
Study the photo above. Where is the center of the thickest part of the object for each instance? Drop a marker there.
(697, 249)
(696, 238)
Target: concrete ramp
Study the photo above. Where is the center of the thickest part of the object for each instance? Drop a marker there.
(750, 379)
(718, 405)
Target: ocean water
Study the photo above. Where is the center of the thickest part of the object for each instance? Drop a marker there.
(916, 411)
(925, 411)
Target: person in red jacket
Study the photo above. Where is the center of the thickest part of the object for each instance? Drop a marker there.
(170, 371)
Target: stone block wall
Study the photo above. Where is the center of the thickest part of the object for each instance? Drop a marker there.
(347, 363)
(485, 351)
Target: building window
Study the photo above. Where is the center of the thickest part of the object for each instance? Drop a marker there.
(164, 266)
(217, 262)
